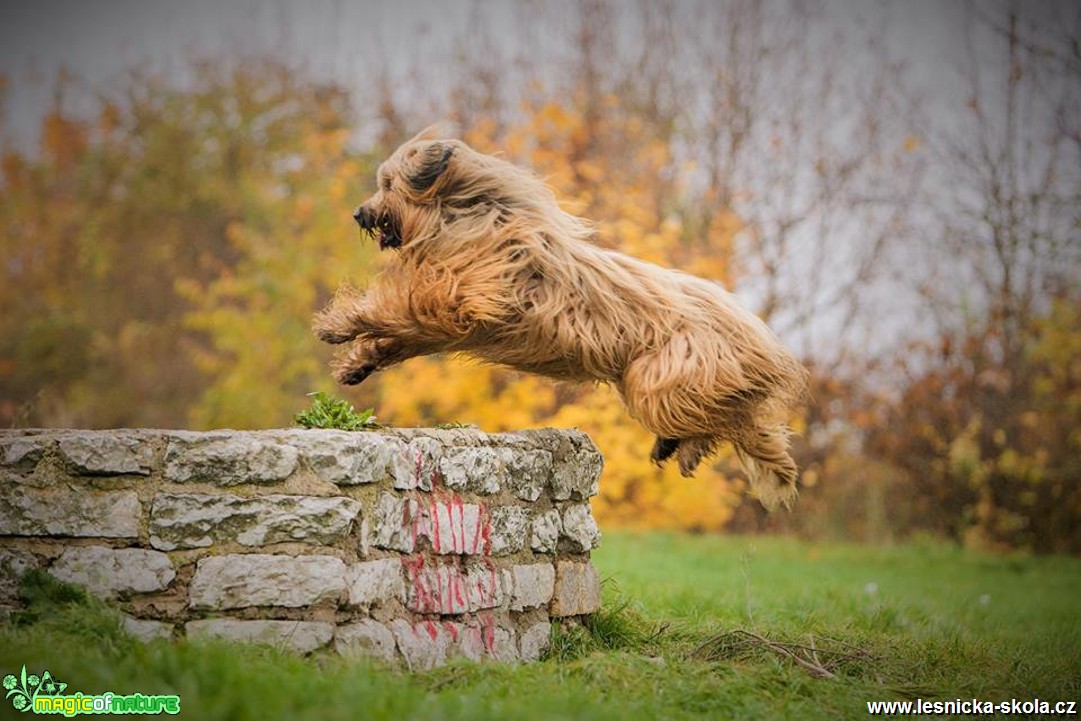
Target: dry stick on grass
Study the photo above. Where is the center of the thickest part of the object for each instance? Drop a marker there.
(805, 656)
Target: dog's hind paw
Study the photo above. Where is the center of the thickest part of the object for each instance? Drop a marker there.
(663, 450)
(691, 453)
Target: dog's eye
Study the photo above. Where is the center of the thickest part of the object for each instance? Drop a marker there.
(386, 183)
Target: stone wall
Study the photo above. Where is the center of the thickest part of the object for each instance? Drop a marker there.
(412, 545)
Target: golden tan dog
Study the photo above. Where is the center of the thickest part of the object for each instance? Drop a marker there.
(489, 265)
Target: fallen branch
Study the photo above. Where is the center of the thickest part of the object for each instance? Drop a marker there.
(807, 656)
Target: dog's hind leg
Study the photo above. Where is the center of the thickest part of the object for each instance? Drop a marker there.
(763, 453)
(691, 453)
(663, 449)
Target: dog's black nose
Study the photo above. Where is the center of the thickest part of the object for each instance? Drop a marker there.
(360, 215)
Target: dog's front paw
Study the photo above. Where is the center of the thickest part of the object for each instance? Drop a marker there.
(353, 376)
(362, 357)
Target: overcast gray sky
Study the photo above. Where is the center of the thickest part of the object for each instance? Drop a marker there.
(99, 41)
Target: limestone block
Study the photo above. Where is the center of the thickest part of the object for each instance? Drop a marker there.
(417, 464)
(449, 590)
(535, 641)
(227, 459)
(108, 572)
(530, 585)
(107, 452)
(397, 523)
(302, 636)
(477, 469)
(577, 589)
(580, 530)
(427, 643)
(455, 527)
(14, 564)
(375, 582)
(257, 579)
(366, 638)
(146, 630)
(509, 529)
(22, 452)
(578, 475)
(346, 458)
(195, 520)
(526, 472)
(483, 585)
(424, 644)
(437, 588)
(478, 639)
(64, 511)
(503, 645)
(547, 528)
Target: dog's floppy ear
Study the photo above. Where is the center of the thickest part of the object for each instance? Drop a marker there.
(433, 162)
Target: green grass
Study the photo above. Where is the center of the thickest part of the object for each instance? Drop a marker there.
(693, 627)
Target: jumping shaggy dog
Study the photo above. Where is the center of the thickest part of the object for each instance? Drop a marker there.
(489, 265)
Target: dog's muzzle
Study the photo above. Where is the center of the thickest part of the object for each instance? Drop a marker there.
(378, 226)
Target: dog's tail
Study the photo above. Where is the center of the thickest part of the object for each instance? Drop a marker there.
(770, 469)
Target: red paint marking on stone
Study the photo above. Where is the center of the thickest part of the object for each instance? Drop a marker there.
(483, 592)
(441, 579)
(458, 588)
(474, 634)
(451, 629)
(486, 531)
(487, 632)
(422, 591)
(408, 521)
(456, 503)
(432, 629)
(434, 523)
(482, 521)
(416, 470)
(493, 580)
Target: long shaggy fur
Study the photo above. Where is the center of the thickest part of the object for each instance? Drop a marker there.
(489, 265)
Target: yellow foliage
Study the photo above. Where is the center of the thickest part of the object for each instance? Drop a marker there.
(293, 255)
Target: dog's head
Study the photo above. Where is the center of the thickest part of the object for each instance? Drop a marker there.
(407, 201)
(430, 185)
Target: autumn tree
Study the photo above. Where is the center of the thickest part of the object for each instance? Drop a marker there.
(162, 192)
(986, 422)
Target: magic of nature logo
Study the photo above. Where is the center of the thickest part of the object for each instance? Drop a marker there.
(44, 694)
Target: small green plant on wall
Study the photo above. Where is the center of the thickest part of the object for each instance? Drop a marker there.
(328, 412)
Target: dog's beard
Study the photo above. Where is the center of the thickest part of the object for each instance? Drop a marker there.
(384, 229)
